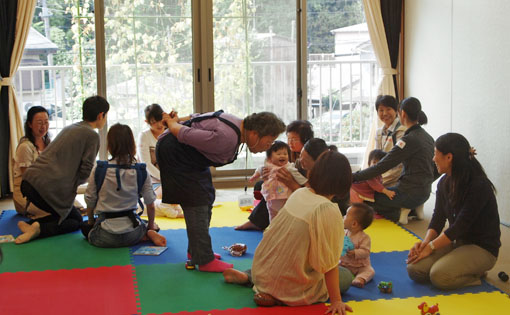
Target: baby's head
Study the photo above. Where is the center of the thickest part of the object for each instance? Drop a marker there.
(359, 216)
(278, 154)
(154, 117)
(375, 156)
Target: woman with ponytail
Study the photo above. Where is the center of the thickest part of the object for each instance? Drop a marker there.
(414, 150)
(461, 254)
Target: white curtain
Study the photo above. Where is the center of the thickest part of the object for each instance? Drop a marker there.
(378, 38)
(24, 15)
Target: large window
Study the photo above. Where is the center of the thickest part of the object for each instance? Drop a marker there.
(300, 59)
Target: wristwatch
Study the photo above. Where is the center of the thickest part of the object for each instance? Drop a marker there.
(432, 246)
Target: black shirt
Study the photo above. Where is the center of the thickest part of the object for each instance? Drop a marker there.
(476, 221)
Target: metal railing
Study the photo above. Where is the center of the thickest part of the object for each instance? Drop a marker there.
(340, 94)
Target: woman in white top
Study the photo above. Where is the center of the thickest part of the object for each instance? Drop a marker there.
(296, 263)
(36, 139)
(146, 149)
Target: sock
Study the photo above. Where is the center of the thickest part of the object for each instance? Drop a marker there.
(216, 256)
(215, 266)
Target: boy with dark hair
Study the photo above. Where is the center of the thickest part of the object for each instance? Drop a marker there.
(51, 182)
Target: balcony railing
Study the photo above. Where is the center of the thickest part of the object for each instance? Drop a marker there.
(340, 94)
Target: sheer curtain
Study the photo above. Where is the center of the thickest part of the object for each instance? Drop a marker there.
(379, 41)
(14, 29)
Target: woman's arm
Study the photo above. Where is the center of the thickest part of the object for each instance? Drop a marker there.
(333, 285)
(425, 249)
(144, 152)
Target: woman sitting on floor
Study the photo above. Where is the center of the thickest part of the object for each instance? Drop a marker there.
(296, 263)
(460, 255)
(36, 139)
(115, 201)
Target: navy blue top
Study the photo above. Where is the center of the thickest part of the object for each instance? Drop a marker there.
(476, 221)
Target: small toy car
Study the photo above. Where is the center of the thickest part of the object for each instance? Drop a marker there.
(190, 265)
(385, 286)
(426, 310)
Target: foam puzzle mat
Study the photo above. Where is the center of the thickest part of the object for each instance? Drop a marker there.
(64, 274)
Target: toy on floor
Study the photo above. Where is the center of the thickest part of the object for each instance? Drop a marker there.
(237, 249)
(348, 245)
(426, 310)
(503, 276)
(385, 286)
(190, 265)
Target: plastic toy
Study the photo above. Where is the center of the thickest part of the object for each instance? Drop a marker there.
(348, 245)
(189, 265)
(503, 276)
(237, 249)
(426, 310)
(385, 286)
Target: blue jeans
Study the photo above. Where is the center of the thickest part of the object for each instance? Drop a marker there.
(197, 220)
(390, 208)
(101, 238)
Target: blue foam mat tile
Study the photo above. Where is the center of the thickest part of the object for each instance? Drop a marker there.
(177, 243)
(9, 222)
(391, 266)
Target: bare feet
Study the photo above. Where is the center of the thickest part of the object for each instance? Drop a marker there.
(235, 276)
(29, 232)
(247, 226)
(156, 238)
(358, 282)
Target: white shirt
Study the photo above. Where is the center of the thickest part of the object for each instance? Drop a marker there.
(146, 151)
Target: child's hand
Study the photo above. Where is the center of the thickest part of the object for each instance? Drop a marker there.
(350, 254)
(389, 193)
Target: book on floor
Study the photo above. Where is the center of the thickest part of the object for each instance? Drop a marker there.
(150, 250)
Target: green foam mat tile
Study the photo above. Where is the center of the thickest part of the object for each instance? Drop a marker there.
(68, 251)
(170, 288)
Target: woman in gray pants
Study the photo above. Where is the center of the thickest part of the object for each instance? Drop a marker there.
(461, 254)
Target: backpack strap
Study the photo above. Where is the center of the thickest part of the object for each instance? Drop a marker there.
(394, 133)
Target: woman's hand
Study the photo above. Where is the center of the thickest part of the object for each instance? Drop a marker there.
(339, 308)
(415, 252)
(170, 118)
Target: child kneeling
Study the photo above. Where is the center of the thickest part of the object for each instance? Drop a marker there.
(359, 216)
(115, 202)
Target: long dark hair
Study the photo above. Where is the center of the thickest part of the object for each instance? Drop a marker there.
(30, 120)
(121, 144)
(465, 167)
(315, 146)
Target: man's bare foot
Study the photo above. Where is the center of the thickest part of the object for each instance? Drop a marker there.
(358, 282)
(232, 275)
(29, 232)
(156, 238)
(247, 226)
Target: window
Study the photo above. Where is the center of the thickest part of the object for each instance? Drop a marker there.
(242, 56)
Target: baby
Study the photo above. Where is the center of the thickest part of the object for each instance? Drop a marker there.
(364, 190)
(359, 216)
(274, 191)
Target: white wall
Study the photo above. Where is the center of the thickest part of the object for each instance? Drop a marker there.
(457, 62)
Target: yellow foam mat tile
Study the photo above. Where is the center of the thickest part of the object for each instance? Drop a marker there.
(223, 214)
(387, 236)
(493, 303)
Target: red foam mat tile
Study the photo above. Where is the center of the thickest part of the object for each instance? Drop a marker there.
(103, 290)
(320, 308)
